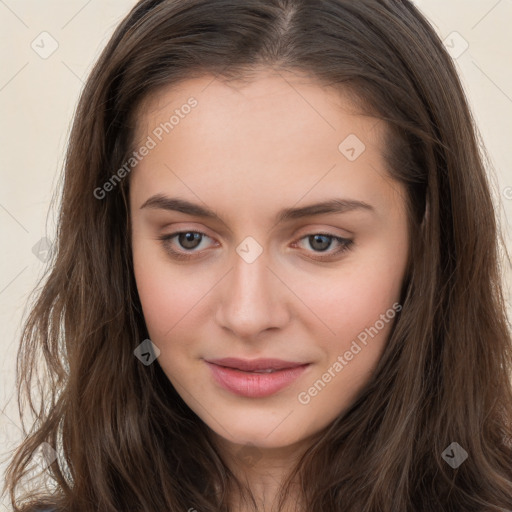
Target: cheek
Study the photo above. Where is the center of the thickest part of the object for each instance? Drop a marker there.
(168, 293)
(359, 312)
(352, 297)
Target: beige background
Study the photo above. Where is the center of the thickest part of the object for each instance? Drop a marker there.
(38, 96)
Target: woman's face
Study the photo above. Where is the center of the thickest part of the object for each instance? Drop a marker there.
(259, 271)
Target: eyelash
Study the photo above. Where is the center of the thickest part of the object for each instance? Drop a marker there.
(345, 245)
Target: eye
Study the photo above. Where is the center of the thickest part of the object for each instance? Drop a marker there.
(189, 241)
(321, 242)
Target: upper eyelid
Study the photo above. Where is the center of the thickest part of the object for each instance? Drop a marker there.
(297, 239)
(310, 230)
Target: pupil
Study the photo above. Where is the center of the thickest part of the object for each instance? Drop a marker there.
(188, 240)
(324, 245)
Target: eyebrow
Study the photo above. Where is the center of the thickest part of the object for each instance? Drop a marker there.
(161, 202)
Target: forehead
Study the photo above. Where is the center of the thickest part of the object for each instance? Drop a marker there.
(280, 95)
(277, 134)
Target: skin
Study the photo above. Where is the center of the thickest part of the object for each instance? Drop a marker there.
(246, 151)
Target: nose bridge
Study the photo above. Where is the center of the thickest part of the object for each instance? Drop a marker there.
(250, 279)
(252, 297)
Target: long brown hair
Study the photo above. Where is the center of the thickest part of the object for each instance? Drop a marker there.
(125, 439)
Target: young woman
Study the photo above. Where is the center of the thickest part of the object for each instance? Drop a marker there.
(276, 284)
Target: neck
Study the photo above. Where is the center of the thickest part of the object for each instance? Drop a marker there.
(264, 471)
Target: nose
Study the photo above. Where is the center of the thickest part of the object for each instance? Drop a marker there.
(252, 299)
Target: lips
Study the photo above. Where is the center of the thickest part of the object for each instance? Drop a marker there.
(255, 365)
(258, 378)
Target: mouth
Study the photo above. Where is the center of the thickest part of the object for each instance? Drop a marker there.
(266, 365)
(257, 378)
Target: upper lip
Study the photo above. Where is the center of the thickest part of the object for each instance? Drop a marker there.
(254, 364)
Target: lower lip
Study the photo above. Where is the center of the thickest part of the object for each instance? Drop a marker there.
(255, 385)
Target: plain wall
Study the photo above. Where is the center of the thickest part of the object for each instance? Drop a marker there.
(38, 96)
